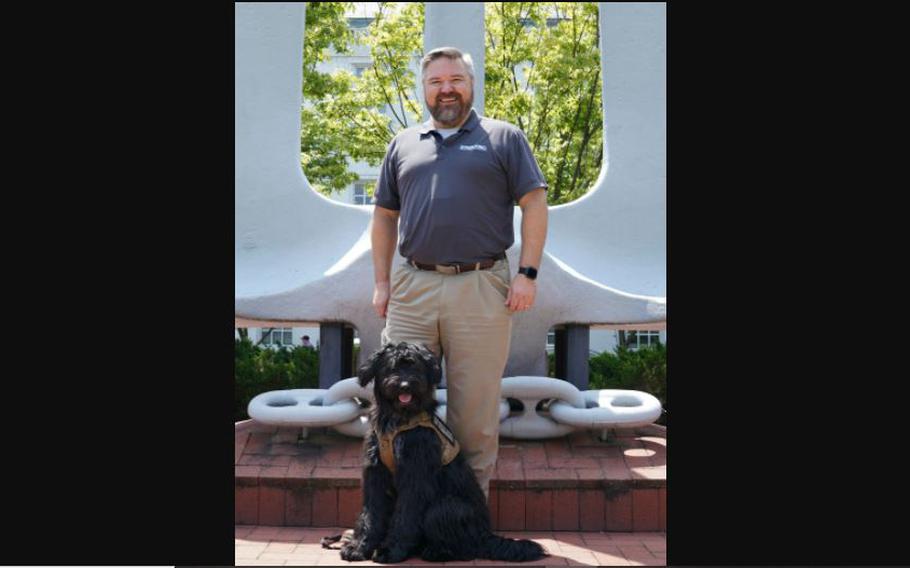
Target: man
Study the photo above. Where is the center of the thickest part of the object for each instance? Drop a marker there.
(305, 342)
(453, 181)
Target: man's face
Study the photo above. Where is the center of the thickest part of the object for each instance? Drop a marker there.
(448, 91)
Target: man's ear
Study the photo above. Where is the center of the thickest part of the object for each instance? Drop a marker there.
(368, 370)
(434, 371)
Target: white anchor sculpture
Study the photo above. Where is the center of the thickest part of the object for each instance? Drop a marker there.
(301, 258)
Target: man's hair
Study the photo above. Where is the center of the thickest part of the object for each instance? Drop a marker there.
(450, 53)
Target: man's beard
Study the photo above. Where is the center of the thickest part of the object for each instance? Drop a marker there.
(450, 114)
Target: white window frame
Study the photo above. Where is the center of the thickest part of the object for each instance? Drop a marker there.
(285, 336)
(362, 198)
(634, 338)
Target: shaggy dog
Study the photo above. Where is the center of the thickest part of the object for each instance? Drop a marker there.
(429, 502)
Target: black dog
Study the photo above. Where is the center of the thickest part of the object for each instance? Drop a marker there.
(426, 501)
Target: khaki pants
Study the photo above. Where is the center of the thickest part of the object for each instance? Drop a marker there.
(463, 317)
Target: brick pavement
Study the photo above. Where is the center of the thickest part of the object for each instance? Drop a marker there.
(299, 546)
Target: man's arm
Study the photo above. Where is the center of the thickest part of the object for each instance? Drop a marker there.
(533, 234)
(384, 237)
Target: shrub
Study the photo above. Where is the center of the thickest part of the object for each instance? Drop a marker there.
(260, 369)
(644, 369)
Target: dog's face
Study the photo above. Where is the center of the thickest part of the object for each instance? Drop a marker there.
(405, 376)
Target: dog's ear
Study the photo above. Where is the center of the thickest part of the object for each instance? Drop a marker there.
(434, 371)
(368, 370)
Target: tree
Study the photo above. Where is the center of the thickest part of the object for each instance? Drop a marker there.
(542, 74)
(323, 146)
(342, 116)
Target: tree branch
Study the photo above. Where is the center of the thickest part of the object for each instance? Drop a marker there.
(386, 95)
(397, 86)
(265, 335)
(566, 140)
(587, 132)
(376, 61)
(541, 121)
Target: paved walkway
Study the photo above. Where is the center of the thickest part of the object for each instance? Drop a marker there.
(299, 546)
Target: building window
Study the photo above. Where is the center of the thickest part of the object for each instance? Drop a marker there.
(638, 338)
(360, 193)
(551, 339)
(279, 336)
(358, 68)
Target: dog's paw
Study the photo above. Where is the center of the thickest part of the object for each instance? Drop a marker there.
(352, 553)
(385, 555)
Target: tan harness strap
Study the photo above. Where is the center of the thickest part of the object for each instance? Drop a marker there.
(450, 447)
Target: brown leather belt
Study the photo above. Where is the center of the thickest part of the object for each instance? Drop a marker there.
(456, 268)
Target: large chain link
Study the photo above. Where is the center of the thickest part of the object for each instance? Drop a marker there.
(546, 408)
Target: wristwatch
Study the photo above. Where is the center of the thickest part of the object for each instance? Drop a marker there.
(528, 271)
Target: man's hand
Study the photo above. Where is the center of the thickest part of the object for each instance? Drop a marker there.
(381, 298)
(533, 234)
(383, 236)
(521, 293)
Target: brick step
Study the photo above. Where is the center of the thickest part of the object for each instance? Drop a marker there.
(577, 483)
(510, 509)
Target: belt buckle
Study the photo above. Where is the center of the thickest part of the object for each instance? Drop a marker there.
(446, 269)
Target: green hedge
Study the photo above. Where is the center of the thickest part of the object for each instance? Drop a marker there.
(644, 369)
(260, 369)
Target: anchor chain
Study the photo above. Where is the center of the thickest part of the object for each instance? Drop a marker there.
(546, 407)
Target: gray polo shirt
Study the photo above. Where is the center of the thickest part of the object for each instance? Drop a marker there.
(456, 196)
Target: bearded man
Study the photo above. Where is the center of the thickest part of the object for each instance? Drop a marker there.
(445, 195)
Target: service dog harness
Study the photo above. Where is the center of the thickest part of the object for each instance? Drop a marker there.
(450, 447)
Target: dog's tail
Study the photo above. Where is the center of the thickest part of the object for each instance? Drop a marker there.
(513, 550)
(345, 537)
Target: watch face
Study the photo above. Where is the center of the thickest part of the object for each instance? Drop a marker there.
(528, 271)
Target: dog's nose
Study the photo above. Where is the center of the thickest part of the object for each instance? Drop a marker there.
(404, 386)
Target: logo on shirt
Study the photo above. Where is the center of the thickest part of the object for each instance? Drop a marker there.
(479, 147)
